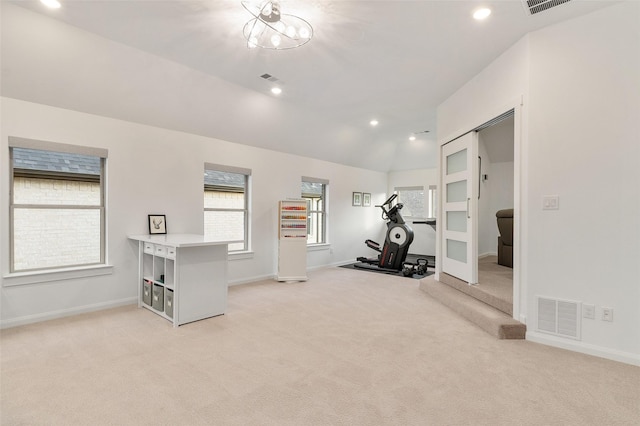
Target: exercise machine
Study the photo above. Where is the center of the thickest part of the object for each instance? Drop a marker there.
(396, 244)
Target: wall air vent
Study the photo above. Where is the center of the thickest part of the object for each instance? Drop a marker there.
(536, 6)
(559, 317)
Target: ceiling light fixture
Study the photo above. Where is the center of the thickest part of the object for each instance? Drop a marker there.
(481, 14)
(270, 29)
(412, 138)
(374, 122)
(276, 90)
(52, 4)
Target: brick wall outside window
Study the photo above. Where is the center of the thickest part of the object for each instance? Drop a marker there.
(55, 237)
(224, 225)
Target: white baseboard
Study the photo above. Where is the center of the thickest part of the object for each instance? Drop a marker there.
(46, 316)
(337, 264)
(251, 279)
(275, 275)
(490, 253)
(317, 268)
(585, 348)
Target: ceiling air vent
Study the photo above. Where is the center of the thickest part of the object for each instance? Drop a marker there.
(536, 6)
(269, 77)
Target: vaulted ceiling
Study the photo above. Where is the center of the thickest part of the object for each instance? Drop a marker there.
(393, 61)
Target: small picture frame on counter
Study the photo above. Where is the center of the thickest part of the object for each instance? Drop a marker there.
(157, 224)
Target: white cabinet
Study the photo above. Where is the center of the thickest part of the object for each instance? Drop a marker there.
(292, 240)
(182, 277)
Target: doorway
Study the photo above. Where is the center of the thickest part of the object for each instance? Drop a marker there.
(496, 194)
(495, 186)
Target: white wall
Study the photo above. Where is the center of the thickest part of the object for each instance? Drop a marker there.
(490, 93)
(584, 146)
(499, 195)
(424, 237)
(579, 141)
(154, 170)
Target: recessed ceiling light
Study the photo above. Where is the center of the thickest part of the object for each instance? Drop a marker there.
(276, 90)
(374, 122)
(52, 4)
(412, 138)
(481, 14)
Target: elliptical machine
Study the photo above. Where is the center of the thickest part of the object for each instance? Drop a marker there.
(396, 244)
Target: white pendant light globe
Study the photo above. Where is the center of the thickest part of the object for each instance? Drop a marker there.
(304, 32)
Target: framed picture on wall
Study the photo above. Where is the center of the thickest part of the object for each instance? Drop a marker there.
(157, 224)
(366, 199)
(356, 199)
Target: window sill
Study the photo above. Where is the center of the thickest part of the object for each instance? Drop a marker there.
(239, 255)
(318, 247)
(35, 277)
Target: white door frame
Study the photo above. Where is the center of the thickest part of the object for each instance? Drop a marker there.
(519, 196)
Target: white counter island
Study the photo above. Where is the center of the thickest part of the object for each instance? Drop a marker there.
(182, 277)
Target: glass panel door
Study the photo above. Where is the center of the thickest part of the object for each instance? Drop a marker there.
(459, 232)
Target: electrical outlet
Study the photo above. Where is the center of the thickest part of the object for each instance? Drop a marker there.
(550, 202)
(607, 314)
(589, 311)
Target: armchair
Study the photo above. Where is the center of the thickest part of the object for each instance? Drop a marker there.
(505, 239)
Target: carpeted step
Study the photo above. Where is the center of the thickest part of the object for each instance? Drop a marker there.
(491, 320)
(475, 292)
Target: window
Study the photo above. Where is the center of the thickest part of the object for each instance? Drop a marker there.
(57, 207)
(315, 192)
(413, 201)
(226, 205)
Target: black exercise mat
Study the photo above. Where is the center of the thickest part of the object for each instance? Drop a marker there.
(378, 271)
(411, 258)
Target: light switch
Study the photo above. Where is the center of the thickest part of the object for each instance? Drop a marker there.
(550, 202)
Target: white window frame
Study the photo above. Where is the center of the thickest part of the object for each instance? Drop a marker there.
(322, 212)
(247, 202)
(66, 270)
(432, 202)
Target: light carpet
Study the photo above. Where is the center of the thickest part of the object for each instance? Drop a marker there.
(344, 348)
(495, 280)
